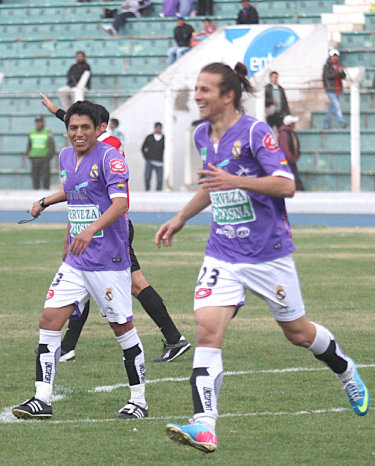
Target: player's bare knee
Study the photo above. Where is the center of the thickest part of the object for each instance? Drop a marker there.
(121, 329)
(299, 338)
(139, 282)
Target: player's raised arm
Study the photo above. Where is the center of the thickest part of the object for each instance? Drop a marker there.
(47, 102)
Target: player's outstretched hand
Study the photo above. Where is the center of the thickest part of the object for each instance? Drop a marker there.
(36, 209)
(217, 179)
(81, 241)
(51, 107)
(167, 230)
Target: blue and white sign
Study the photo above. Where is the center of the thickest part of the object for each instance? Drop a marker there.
(259, 46)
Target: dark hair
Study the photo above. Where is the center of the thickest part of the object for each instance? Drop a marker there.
(103, 113)
(115, 121)
(83, 108)
(274, 72)
(232, 80)
(158, 124)
(80, 51)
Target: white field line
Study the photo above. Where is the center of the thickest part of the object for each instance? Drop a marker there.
(7, 417)
(110, 388)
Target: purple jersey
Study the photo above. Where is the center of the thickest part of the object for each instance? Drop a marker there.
(246, 227)
(101, 176)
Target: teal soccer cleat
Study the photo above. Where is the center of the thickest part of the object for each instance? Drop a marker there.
(357, 392)
(195, 435)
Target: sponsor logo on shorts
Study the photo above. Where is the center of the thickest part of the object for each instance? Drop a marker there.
(280, 293)
(277, 246)
(118, 166)
(50, 294)
(203, 293)
(108, 294)
(270, 143)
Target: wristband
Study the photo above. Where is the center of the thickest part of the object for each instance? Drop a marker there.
(60, 114)
(42, 204)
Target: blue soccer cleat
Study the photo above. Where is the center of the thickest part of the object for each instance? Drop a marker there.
(357, 392)
(195, 435)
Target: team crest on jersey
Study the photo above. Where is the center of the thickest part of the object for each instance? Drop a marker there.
(108, 294)
(280, 293)
(270, 143)
(118, 166)
(204, 154)
(94, 173)
(63, 176)
(203, 293)
(236, 151)
(50, 294)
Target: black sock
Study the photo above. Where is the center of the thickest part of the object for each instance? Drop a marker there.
(74, 330)
(155, 308)
(333, 360)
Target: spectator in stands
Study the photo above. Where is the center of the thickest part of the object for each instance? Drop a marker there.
(113, 130)
(276, 102)
(208, 29)
(248, 14)
(204, 7)
(173, 7)
(186, 7)
(40, 149)
(289, 144)
(182, 33)
(170, 8)
(153, 152)
(333, 74)
(78, 82)
(130, 9)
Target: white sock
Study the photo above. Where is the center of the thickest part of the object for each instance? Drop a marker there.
(47, 364)
(322, 339)
(134, 361)
(206, 382)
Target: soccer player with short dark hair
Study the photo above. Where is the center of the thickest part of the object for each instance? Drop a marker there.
(96, 261)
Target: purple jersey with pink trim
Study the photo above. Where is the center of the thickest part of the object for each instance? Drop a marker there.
(246, 227)
(101, 176)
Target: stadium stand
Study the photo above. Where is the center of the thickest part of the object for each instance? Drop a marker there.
(39, 38)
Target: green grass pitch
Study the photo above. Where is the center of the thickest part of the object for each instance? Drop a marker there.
(278, 405)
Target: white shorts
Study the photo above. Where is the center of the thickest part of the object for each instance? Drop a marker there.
(223, 284)
(111, 290)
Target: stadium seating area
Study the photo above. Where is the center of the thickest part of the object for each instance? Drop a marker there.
(39, 39)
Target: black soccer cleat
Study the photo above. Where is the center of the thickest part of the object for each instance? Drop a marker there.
(33, 409)
(171, 352)
(132, 411)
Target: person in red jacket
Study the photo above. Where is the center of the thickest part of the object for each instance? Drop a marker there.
(289, 144)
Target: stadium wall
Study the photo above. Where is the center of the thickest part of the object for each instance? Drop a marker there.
(169, 98)
(306, 208)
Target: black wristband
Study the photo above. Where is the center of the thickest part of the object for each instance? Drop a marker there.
(60, 114)
(42, 204)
